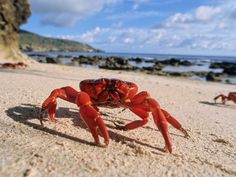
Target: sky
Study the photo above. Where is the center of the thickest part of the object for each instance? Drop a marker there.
(196, 27)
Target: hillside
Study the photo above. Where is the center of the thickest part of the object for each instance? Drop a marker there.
(34, 42)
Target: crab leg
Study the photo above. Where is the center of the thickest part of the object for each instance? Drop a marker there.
(223, 98)
(141, 104)
(89, 114)
(137, 123)
(160, 121)
(92, 118)
(50, 104)
(175, 123)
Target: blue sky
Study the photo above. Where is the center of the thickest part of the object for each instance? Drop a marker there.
(200, 27)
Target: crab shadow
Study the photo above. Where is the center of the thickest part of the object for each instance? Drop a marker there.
(218, 104)
(25, 113)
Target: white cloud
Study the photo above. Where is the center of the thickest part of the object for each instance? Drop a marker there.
(200, 15)
(206, 29)
(67, 13)
(91, 36)
(125, 38)
(205, 13)
(177, 19)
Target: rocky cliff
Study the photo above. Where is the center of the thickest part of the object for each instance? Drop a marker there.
(13, 13)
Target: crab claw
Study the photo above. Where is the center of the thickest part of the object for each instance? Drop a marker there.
(88, 112)
(50, 105)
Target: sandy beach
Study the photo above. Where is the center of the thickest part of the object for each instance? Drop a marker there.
(66, 149)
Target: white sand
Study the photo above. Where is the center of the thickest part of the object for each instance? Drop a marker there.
(65, 149)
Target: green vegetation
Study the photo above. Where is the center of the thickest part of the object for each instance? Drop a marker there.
(34, 42)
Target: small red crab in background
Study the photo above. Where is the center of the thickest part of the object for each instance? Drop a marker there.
(14, 65)
(231, 97)
(112, 93)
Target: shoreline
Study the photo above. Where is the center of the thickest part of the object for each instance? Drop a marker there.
(176, 66)
(27, 149)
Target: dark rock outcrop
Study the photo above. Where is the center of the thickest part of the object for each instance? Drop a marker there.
(51, 60)
(137, 59)
(86, 60)
(13, 13)
(228, 67)
(231, 70)
(154, 68)
(224, 64)
(211, 76)
(174, 62)
(117, 63)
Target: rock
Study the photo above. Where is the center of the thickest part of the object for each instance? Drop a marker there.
(227, 81)
(137, 60)
(51, 60)
(228, 67)
(174, 62)
(13, 13)
(153, 68)
(215, 65)
(119, 60)
(151, 61)
(87, 60)
(158, 66)
(201, 73)
(161, 73)
(39, 57)
(185, 63)
(231, 70)
(211, 76)
(148, 68)
(181, 74)
(64, 56)
(117, 63)
(222, 65)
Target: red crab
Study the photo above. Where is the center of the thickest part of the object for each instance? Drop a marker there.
(231, 96)
(14, 65)
(112, 93)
